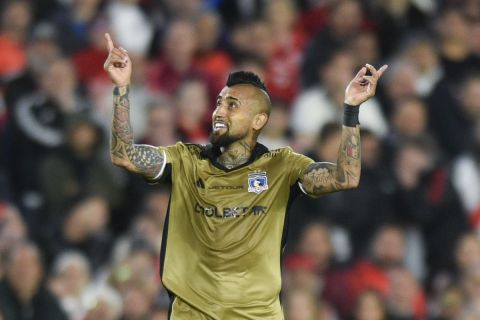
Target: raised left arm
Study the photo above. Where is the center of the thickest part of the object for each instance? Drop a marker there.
(324, 177)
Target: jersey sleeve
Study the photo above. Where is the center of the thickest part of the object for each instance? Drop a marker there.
(177, 157)
(174, 156)
(297, 163)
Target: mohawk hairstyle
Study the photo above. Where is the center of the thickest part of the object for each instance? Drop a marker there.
(245, 77)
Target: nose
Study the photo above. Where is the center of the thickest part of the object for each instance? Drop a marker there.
(220, 111)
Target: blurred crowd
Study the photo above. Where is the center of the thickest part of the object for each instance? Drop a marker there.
(80, 239)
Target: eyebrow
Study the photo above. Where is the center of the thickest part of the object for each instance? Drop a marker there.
(229, 97)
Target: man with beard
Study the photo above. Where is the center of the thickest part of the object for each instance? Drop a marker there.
(226, 225)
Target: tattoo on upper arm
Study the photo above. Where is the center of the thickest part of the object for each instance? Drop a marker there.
(142, 159)
(325, 177)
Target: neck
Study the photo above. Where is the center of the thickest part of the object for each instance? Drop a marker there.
(236, 154)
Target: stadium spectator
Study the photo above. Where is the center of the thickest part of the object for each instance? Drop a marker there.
(321, 104)
(69, 282)
(192, 104)
(22, 292)
(15, 21)
(466, 179)
(176, 60)
(370, 306)
(275, 134)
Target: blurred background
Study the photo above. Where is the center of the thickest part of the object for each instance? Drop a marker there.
(80, 239)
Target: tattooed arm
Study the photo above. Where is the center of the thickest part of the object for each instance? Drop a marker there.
(324, 177)
(138, 158)
(141, 159)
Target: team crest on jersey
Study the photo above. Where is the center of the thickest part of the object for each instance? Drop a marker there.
(257, 182)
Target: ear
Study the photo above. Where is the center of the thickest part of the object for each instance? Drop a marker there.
(260, 121)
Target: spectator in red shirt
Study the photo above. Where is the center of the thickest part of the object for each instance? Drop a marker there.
(15, 22)
(176, 61)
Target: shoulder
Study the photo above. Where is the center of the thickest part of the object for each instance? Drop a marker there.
(283, 152)
(187, 148)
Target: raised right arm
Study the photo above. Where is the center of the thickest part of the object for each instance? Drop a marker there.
(137, 158)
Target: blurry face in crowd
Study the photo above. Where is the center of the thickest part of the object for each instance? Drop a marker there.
(301, 305)
(453, 26)
(467, 253)
(161, 125)
(192, 103)
(470, 97)
(59, 78)
(423, 55)
(82, 138)
(12, 228)
(401, 81)
(16, 16)
(74, 278)
(366, 48)
(147, 229)
(278, 123)
(184, 8)
(86, 218)
(452, 304)
(261, 40)
(389, 247)
(409, 118)
(369, 307)
(336, 74)
(346, 18)
(180, 43)
(239, 114)
(136, 303)
(156, 206)
(404, 291)
(315, 242)
(371, 150)
(24, 271)
(411, 163)
(328, 147)
(471, 283)
(281, 14)
(475, 38)
(85, 4)
(159, 315)
(102, 310)
(208, 31)
(41, 53)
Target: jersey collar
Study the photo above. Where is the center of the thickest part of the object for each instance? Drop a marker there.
(212, 153)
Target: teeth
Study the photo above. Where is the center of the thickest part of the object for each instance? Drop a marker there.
(219, 125)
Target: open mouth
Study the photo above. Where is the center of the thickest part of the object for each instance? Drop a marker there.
(219, 125)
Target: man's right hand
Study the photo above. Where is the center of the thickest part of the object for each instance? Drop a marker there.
(118, 64)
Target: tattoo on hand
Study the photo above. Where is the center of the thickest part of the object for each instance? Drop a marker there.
(142, 159)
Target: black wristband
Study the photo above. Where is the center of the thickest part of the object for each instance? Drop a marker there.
(350, 115)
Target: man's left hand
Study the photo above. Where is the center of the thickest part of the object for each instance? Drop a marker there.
(363, 86)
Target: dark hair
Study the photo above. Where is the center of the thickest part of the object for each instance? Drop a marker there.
(245, 77)
(329, 130)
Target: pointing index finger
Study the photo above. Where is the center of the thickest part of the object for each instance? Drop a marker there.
(109, 42)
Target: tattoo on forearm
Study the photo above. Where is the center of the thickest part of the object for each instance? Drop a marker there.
(141, 159)
(324, 177)
(236, 156)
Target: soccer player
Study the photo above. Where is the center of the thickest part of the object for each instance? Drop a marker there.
(227, 218)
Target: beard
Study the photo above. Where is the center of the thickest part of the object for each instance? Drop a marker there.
(224, 140)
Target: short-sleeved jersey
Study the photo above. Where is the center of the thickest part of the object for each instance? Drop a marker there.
(225, 229)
